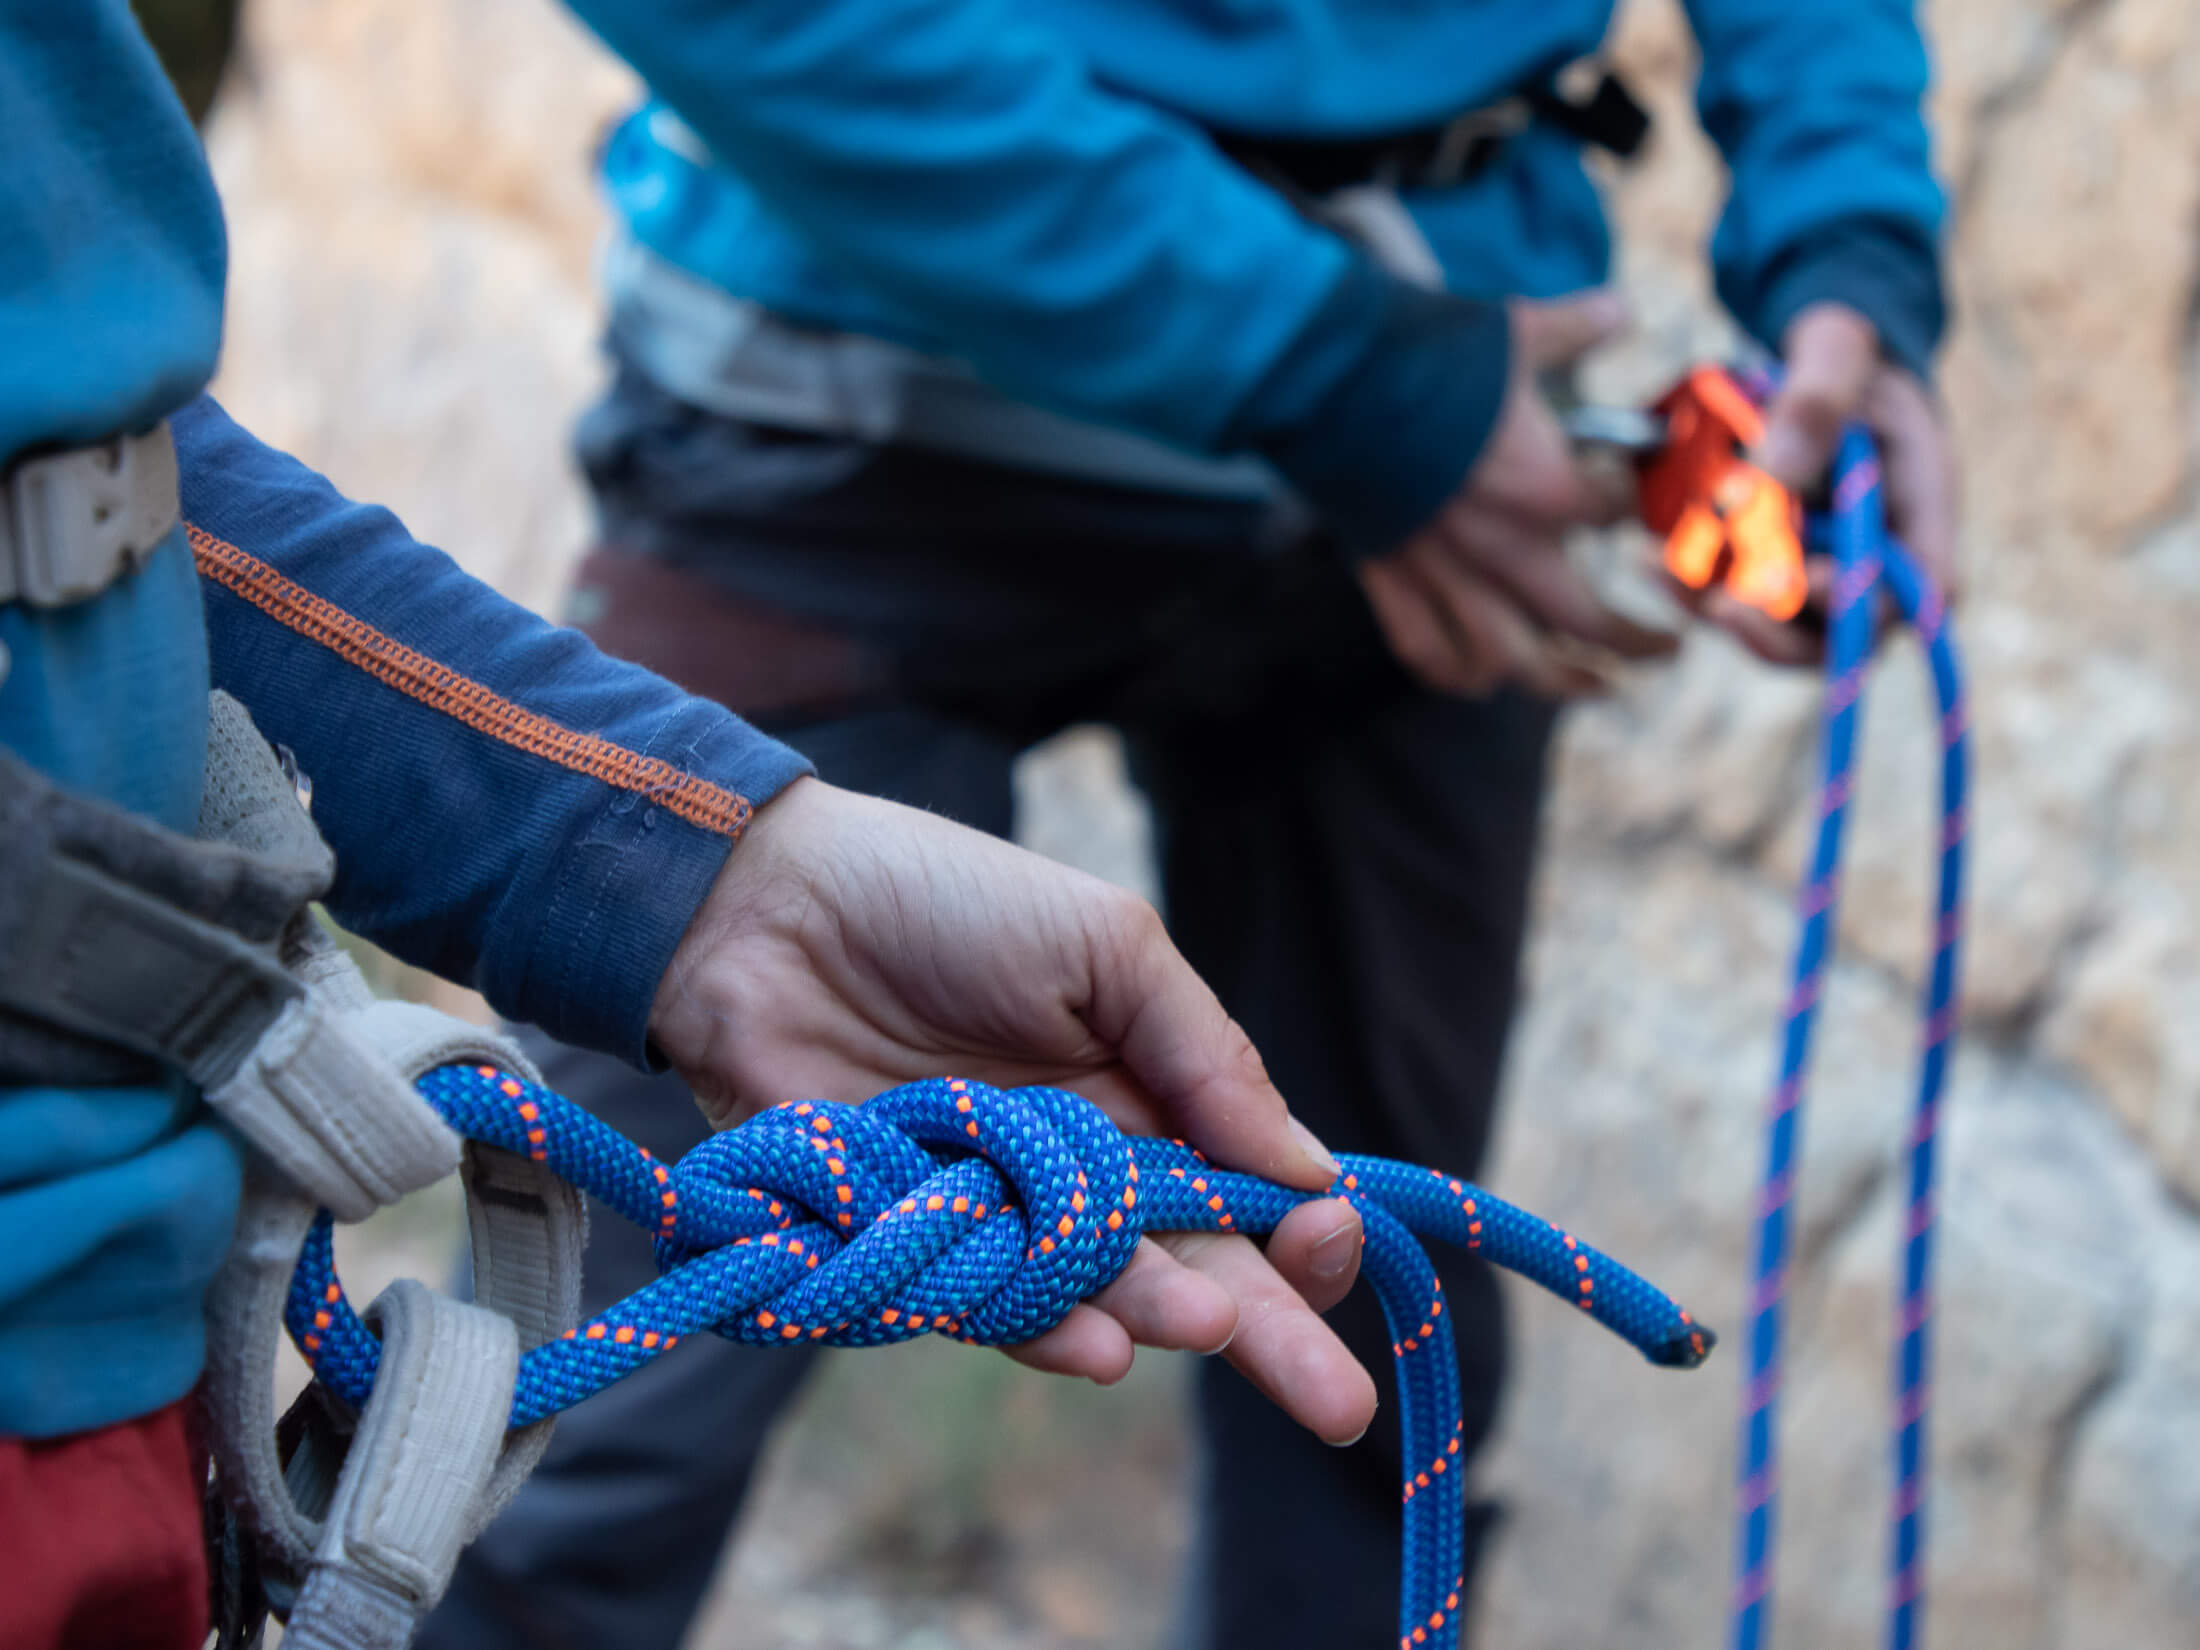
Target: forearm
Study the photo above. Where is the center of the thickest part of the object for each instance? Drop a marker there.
(508, 806)
(1818, 106)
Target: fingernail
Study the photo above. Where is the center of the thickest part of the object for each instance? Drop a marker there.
(1347, 1443)
(1331, 1258)
(1316, 1152)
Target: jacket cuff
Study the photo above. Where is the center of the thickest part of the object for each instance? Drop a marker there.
(589, 943)
(1885, 270)
(1380, 407)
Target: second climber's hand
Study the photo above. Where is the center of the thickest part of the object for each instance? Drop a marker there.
(1484, 597)
(851, 945)
(1834, 376)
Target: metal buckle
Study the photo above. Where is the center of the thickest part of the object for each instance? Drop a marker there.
(73, 522)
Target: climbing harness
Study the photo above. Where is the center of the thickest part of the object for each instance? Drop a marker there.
(948, 1207)
(126, 951)
(1731, 524)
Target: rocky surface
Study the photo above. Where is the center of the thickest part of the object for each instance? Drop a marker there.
(2065, 1377)
(410, 309)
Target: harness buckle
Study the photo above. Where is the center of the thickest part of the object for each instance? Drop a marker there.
(75, 521)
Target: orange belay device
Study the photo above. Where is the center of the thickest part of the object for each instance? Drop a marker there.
(1724, 520)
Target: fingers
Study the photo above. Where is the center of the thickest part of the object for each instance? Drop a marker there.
(1918, 458)
(1832, 354)
(1458, 634)
(1087, 1344)
(1487, 622)
(1414, 627)
(1774, 641)
(1535, 569)
(1174, 1039)
(1161, 1302)
(1281, 1345)
(1316, 1250)
(1209, 1292)
(1531, 471)
(1558, 333)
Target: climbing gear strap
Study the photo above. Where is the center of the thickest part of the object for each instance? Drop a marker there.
(731, 356)
(1601, 114)
(73, 522)
(127, 951)
(124, 947)
(410, 1493)
(357, 1523)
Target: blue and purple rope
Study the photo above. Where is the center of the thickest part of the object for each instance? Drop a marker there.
(947, 1207)
(1868, 564)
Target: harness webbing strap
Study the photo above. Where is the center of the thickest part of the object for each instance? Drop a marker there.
(528, 1231)
(315, 1097)
(125, 948)
(411, 1488)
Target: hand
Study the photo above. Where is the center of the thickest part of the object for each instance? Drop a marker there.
(1835, 376)
(851, 945)
(1484, 595)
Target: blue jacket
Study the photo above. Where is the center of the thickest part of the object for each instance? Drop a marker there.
(507, 805)
(998, 179)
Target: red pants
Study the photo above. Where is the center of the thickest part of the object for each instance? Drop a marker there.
(100, 1544)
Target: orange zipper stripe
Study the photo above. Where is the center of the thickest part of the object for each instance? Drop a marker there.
(440, 688)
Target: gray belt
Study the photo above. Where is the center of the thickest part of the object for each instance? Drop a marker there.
(75, 521)
(733, 357)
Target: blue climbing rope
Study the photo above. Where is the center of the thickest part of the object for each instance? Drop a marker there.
(947, 1207)
(1869, 564)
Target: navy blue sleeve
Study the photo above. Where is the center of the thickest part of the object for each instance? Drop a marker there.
(1380, 410)
(1818, 107)
(508, 806)
(1885, 270)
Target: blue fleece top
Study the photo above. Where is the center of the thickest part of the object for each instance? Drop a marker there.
(1023, 184)
(507, 805)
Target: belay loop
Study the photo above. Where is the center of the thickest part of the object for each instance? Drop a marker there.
(948, 1207)
(1869, 565)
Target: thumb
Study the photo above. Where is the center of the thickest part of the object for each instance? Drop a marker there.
(1560, 331)
(1832, 354)
(1200, 1070)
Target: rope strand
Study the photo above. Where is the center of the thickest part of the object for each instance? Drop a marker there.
(949, 1208)
(1869, 564)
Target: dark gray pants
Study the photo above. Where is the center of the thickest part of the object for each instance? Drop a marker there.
(1344, 858)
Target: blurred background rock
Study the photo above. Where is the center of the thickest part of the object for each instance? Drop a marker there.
(410, 310)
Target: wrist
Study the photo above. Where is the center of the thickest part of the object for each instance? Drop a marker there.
(695, 1005)
(1381, 408)
(1884, 271)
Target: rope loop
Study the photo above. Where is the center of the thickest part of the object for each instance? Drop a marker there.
(947, 1207)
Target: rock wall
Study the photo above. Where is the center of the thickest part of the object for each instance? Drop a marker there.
(2068, 1496)
(411, 221)
(410, 310)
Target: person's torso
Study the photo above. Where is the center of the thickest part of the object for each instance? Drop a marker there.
(114, 1204)
(1532, 224)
